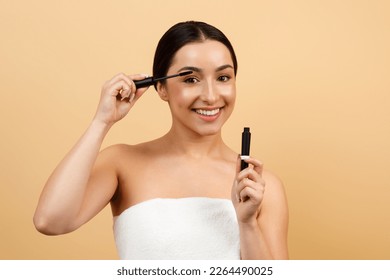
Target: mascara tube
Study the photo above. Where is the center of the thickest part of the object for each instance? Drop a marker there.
(245, 147)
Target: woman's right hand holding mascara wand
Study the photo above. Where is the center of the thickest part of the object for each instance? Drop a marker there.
(118, 96)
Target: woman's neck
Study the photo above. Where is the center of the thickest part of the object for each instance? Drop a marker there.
(194, 145)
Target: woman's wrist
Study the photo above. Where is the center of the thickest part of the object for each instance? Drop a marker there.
(100, 126)
(250, 224)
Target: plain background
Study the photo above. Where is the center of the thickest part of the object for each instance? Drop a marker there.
(313, 85)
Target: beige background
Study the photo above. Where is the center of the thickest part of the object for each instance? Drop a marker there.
(313, 85)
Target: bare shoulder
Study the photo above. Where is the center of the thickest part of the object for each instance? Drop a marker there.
(121, 151)
(116, 149)
(119, 155)
(110, 155)
(273, 181)
(275, 194)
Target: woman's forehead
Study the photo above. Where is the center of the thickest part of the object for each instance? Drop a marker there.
(205, 53)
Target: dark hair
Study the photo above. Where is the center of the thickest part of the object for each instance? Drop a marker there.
(182, 34)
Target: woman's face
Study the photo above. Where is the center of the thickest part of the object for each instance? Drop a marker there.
(204, 100)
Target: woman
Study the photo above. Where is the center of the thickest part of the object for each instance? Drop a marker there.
(181, 196)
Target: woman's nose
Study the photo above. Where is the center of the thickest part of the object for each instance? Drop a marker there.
(210, 93)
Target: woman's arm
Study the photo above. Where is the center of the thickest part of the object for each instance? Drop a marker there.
(84, 181)
(59, 207)
(262, 213)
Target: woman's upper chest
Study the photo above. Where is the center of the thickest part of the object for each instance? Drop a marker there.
(174, 177)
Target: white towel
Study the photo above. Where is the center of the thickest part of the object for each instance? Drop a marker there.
(178, 228)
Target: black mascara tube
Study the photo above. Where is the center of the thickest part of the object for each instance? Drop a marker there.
(245, 147)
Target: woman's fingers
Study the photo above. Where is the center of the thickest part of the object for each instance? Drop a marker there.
(137, 93)
(121, 90)
(249, 173)
(256, 164)
(250, 183)
(245, 184)
(251, 194)
(122, 86)
(118, 96)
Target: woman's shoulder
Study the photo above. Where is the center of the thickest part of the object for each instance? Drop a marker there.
(272, 179)
(274, 186)
(115, 151)
(127, 150)
(275, 193)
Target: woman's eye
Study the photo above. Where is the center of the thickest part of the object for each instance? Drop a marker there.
(191, 80)
(223, 78)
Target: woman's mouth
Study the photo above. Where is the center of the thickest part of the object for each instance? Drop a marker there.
(208, 115)
(205, 112)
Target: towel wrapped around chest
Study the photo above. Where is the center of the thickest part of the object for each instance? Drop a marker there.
(178, 228)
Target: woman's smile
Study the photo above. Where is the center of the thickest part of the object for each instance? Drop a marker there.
(208, 115)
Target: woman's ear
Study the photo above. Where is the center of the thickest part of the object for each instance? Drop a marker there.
(162, 92)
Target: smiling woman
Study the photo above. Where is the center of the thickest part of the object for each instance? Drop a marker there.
(209, 91)
(181, 196)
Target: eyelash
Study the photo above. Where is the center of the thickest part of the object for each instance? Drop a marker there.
(193, 80)
(224, 78)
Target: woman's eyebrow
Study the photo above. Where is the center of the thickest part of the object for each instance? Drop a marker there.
(190, 68)
(223, 67)
(199, 70)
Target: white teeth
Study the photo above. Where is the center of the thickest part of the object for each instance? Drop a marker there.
(208, 112)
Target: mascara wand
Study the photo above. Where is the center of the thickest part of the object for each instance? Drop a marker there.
(151, 80)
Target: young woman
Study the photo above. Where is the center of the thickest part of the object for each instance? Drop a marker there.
(181, 196)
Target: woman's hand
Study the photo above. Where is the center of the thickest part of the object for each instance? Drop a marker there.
(248, 191)
(117, 97)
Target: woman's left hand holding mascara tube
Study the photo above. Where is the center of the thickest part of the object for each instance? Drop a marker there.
(248, 190)
(118, 95)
